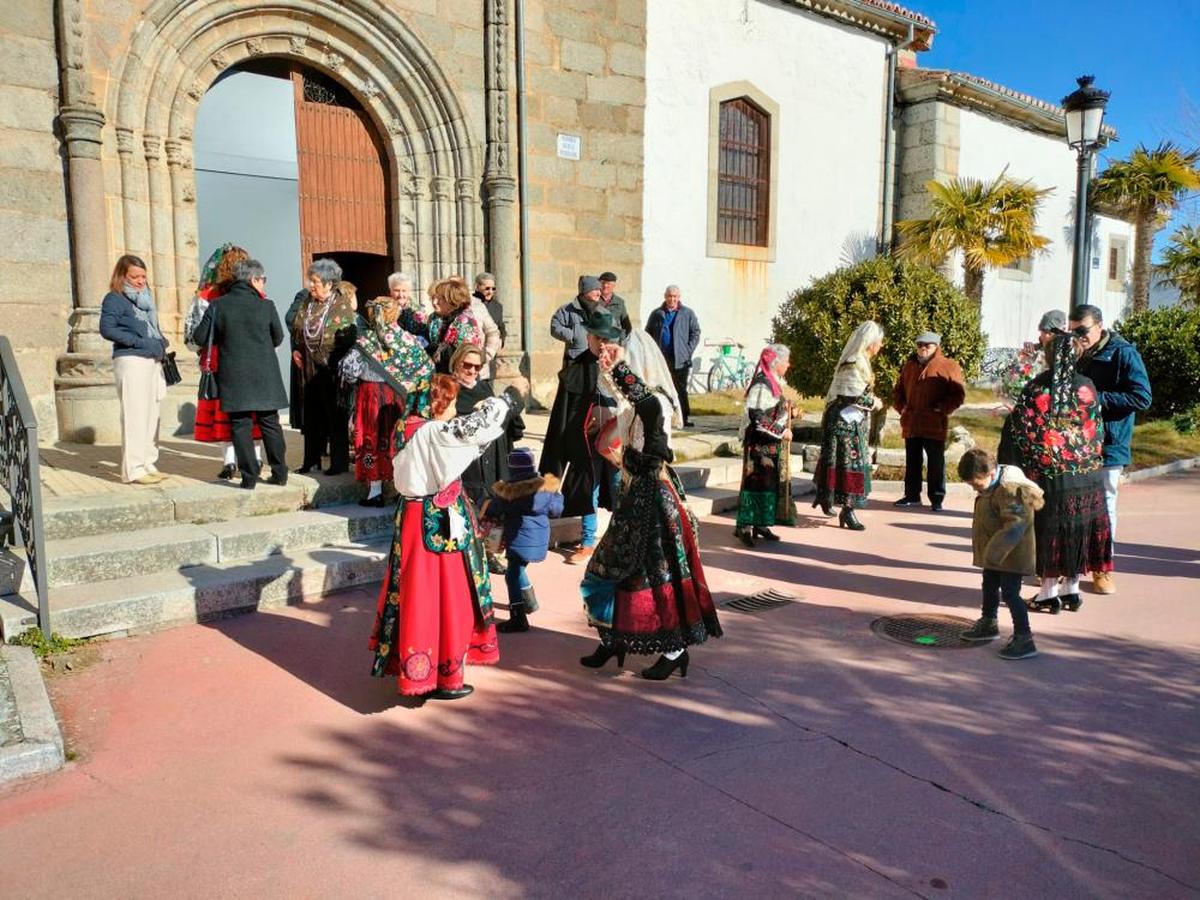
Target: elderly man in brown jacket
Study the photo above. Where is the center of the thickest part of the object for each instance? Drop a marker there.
(929, 389)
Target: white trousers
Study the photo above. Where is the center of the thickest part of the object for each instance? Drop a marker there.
(1112, 481)
(140, 388)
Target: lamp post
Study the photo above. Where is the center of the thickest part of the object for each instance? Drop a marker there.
(1085, 114)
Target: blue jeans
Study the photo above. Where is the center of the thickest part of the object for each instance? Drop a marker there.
(1006, 586)
(516, 580)
(588, 526)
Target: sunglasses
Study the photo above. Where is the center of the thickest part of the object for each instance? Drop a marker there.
(470, 367)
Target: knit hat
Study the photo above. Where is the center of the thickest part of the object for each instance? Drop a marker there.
(929, 337)
(588, 283)
(1054, 320)
(520, 464)
(608, 276)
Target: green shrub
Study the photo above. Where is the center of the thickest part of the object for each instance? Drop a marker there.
(904, 298)
(1169, 340)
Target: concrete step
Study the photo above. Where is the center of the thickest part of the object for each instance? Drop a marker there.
(106, 557)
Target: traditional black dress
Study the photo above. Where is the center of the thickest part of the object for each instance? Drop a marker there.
(766, 493)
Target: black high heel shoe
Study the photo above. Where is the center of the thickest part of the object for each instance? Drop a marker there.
(602, 655)
(744, 536)
(847, 519)
(662, 669)
(1071, 602)
(766, 534)
(227, 473)
(825, 504)
(1051, 606)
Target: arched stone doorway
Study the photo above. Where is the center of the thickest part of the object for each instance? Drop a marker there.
(142, 188)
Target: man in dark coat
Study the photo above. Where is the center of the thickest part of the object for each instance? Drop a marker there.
(676, 330)
(929, 389)
(568, 447)
(1123, 389)
(614, 302)
(246, 330)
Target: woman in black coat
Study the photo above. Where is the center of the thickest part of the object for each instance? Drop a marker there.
(245, 327)
(492, 464)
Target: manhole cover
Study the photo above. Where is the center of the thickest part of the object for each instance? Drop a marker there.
(937, 632)
(762, 601)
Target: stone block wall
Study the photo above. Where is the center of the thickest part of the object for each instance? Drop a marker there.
(586, 64)
(927, 149)
(35, 271)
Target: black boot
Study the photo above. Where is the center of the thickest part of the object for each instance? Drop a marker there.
(766, 534)
(227, 472)
(823, 502)
(1071, 602)
(662, 669)
(1052, 606)
(530, 600)
(517, 620)
(848, 520)
(603, 654)
(744, 536)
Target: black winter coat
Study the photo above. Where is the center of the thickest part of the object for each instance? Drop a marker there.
(567, 448)
(247, 333)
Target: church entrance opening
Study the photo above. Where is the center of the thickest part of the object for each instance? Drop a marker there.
(289, 166)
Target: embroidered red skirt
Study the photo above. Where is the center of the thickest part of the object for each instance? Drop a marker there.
(376, 412)
(212, 425)
(437, 629)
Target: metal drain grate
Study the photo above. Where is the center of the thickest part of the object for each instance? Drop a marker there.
(936, 632)
(762, 601)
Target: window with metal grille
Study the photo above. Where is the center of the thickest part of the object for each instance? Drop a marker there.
(744, 174)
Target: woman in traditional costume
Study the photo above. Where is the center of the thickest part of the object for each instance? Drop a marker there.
(645, 590)
(435, 608)
(451, 326)
(378, 407)
(212, 424)
(324, 331)
(1058, 433)
(765, 498)
(843, 475)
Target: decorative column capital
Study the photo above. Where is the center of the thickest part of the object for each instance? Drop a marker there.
(83, 127)
(152, 145)
(124, 140)
(500, 190)
(175, 153)
(440, 185)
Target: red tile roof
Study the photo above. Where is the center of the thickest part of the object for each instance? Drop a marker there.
(877, 16)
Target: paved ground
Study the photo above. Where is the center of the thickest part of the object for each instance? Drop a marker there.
(801, 756)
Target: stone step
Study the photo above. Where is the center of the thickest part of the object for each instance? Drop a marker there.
(136, 508)
(105, 557)
(232, 567)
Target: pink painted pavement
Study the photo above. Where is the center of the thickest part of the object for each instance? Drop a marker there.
(802, 756)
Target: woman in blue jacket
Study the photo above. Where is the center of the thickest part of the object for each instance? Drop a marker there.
(128, 319)
(525, 504)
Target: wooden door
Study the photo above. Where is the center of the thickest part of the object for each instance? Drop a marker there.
(343, 178)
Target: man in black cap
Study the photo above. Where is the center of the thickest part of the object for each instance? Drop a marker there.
(587, 481)
(613, 301)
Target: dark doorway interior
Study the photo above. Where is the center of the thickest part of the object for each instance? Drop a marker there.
(368, 272)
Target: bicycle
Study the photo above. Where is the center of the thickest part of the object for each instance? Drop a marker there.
(730, 369)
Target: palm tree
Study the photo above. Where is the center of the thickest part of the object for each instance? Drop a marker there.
(1146, 187)
(992, 222)
(1181, 263)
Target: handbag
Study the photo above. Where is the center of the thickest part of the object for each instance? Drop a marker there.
(170, 370)
(208, 379)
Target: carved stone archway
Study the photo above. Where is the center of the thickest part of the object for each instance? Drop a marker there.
(177, 51)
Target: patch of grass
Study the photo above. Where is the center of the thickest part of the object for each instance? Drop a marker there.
(43, 647)
(730, 403)
(1158, 442)
(981, 395)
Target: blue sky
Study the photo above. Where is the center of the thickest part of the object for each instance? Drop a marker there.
(1146, 52)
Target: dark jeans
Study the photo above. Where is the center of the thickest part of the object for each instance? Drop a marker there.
(516, 580)
(325, 421)
(680, 377)
(1006, 586)
(935, 453)
(242, 426)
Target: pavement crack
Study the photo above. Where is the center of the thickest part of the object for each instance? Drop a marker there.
(849, 857)
(972, 801)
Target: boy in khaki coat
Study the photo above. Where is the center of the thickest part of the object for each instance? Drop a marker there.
(1003, 543)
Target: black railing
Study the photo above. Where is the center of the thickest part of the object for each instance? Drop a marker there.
(22, 523)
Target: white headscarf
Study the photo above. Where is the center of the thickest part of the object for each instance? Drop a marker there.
(853, 374)
(645, 359)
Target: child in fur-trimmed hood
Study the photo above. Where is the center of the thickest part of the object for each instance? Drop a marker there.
(525, 504)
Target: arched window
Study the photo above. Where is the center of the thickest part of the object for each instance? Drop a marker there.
(744, 174)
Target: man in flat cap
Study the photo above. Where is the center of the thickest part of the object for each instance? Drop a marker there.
(929, 389)
(614, 302)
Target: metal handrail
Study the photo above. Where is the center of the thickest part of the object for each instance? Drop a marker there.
(20, 477)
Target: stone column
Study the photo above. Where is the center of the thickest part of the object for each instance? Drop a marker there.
(162, 237)
(443, 224)
(89, 242)
(183, 213)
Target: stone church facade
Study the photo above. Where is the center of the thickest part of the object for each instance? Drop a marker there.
(100, 99)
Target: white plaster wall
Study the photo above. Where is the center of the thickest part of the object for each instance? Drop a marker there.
(1012, 305)
(830, 85)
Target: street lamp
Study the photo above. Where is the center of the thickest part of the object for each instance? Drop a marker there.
(1085, 115)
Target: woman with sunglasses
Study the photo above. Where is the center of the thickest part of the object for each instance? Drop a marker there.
(466, 366)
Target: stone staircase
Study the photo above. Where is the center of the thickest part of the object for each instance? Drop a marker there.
(144, 559)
